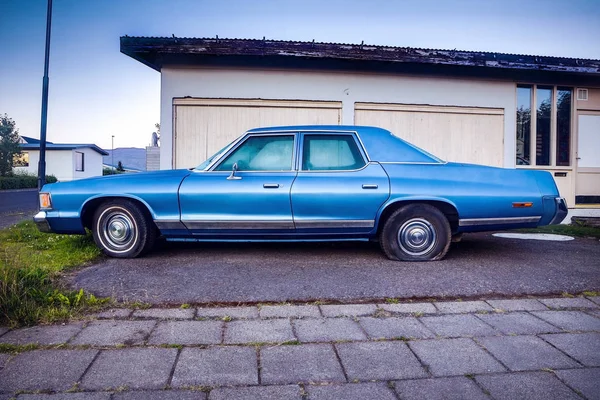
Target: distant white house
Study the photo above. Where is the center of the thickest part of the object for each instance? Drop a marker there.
(66, 161)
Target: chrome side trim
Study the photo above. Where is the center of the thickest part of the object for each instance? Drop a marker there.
(497, 221)
(238, 224)
(347, 223)
(169, 224)
(41, 222)
(414, 162)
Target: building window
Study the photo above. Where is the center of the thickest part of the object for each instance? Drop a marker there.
(544, 138)
(79, 161)
(21, 159)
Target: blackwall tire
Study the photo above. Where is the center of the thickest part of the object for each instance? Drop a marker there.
(416, 232)
(121, 229)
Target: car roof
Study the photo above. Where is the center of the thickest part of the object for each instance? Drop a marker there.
(381, 145)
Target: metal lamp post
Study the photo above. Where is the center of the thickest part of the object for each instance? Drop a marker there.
(44, 119)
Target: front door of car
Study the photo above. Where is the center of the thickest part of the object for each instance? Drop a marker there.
(337, 189)
(248, 192)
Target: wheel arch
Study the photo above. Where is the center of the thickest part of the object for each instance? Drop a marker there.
(90, 206)
(447, 208)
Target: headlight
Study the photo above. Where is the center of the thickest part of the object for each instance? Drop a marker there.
(45, 201)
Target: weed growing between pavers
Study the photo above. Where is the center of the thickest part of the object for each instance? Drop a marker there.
(30, 264)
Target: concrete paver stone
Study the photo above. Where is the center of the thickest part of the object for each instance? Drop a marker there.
(452, 307)
(66, 396)
(160, 395)
(259, 331)
(303, 363)
(395, 328)
(216, 366)
(165, 313)
(517, 305)
(458, 325)
(4, 357)
(567, 302)
(585, 381)
(524, 353)
(351, 391)
(452, 388)
(526, 385)
(3, 330)
(447, 357)
(114, 313)
(44, 335)
(133, 368)
(519, 323)
(410, 308)
(187, 332)
(379, 361)
(584, 347)
(328, 330)
(595, 299)
(56, 370)
(570, 320)
(113, 332)
(282, 392)
(233, 312)
(289, 312)
(348, 310)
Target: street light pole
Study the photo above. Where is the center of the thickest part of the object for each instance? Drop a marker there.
(45, 83)
(112, 152)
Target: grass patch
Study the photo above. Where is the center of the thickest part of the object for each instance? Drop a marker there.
(570, 230)
(30, 264)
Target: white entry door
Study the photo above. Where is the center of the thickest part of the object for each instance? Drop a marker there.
(588, 159)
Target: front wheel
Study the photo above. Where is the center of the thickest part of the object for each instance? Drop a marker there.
(122, 230)
(416, 232)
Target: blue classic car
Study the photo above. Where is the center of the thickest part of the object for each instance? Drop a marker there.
(305, 183)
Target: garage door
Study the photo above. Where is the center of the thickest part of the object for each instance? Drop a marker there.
(461, 134)
(203, 126)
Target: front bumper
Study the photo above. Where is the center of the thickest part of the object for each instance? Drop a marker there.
(561, 211)
(41, 222)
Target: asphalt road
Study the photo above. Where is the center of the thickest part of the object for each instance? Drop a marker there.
(17, 205)
(480, 266)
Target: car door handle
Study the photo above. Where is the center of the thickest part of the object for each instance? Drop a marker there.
(370, 186)
(271, 185)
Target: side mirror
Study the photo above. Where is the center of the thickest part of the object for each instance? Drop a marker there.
(234, 169)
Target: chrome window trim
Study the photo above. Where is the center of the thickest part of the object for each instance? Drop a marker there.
(497, 221)
(354, 136)
(238, 224)
(323, 171)
(211, 167)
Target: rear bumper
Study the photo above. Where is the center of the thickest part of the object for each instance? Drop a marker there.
(41, 222)
(561, 211)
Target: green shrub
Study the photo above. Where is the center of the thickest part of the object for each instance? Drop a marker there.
(22, 181)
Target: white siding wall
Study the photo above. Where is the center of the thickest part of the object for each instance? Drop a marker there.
(334, 86)
(61, 163)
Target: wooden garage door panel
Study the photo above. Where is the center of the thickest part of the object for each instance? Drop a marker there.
(201, 130)
(468, 134)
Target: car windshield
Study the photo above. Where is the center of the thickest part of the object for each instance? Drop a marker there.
(214, 157)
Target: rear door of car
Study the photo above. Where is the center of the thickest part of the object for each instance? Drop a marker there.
(337, 189)
(253, 200)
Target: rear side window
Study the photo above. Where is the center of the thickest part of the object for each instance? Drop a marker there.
(331, 152)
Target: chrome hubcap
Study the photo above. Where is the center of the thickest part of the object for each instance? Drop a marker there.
(118, 230)
(416, 236)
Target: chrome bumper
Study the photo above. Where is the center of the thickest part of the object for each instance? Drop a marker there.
(561, 211)
(41, 222)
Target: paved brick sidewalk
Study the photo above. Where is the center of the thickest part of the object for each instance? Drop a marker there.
(494, 349)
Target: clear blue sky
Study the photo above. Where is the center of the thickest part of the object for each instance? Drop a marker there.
(96, 92)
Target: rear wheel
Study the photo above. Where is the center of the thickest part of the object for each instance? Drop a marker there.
(121, 229)
(416, 232)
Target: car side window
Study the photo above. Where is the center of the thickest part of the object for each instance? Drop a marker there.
(261, 153)
(331, 152)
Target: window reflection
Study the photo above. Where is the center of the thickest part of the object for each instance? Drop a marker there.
(523, 125)
(563, 127)
(543, 113)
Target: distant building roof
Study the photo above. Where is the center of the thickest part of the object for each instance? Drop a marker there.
(157, 52)
(34, 144)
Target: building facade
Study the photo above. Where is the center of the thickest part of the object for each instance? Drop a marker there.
(486, 108)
